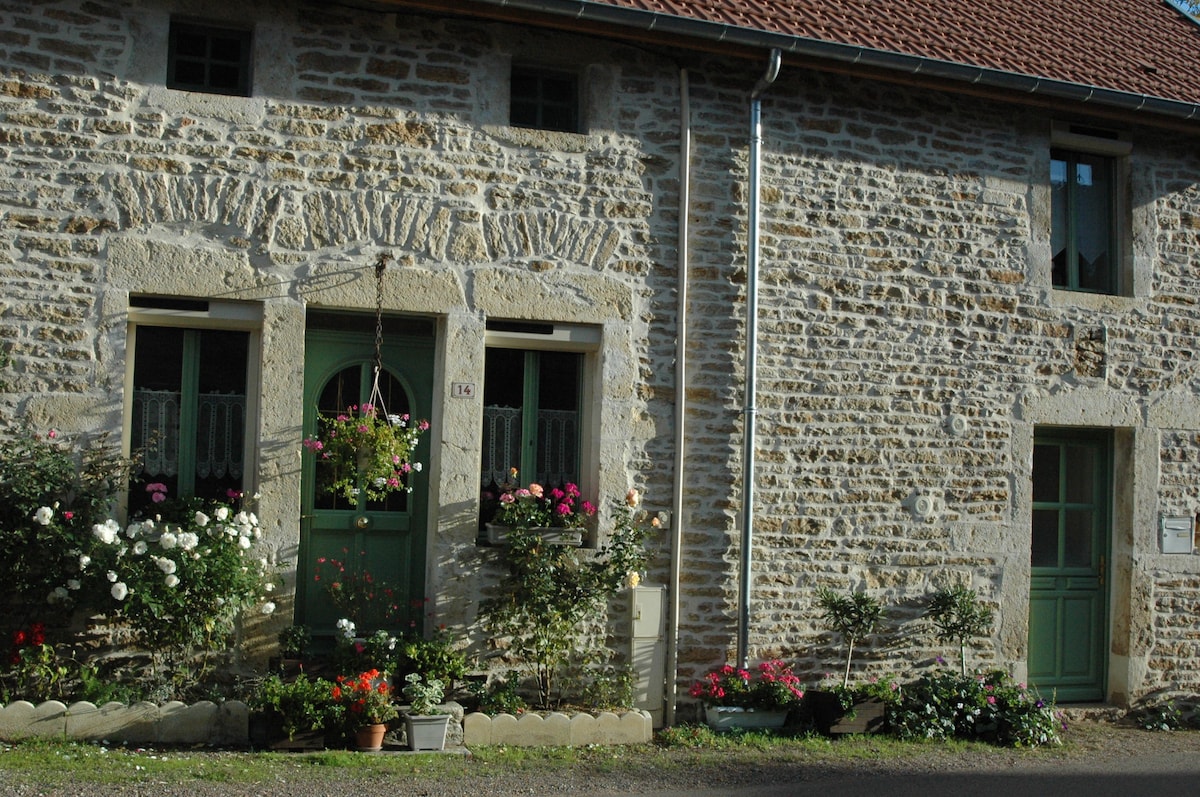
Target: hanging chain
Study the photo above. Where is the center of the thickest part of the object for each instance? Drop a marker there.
(380, 265)
(376, 397)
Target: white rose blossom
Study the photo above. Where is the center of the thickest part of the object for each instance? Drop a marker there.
(44, 515)
(166, 565)
(112, 577)
(222, 513)
(268, 608)
(119, 590)
(201, 519)
(105, 532)
(84, 561)
(73, 583)
(188, 540)
(139, 547)
(167, 541)
(172, 580)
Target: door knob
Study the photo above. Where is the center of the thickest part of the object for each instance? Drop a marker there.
(362, 521)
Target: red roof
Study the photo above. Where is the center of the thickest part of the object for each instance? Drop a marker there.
(1143, 47)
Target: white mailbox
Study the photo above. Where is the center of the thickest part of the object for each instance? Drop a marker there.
(1175, 534)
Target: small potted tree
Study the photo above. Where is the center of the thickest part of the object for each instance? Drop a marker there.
(424, 722)
(958, 616)
(843, 708)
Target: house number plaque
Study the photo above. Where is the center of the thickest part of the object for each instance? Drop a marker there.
(462, 389)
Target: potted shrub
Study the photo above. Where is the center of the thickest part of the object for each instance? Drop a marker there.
(293, 644)
(367, 701)
(958, 616)
(424, 722)
(294, 714)
(734, 697)
(846, 708)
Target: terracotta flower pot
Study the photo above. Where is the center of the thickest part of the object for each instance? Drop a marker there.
(369, 738)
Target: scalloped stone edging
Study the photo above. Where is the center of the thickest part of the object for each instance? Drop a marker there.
(558, 729)
(226, 723)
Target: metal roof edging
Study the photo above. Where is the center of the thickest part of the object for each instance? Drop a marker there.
(856, 54)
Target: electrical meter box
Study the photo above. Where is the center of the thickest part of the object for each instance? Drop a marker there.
(1175, 534)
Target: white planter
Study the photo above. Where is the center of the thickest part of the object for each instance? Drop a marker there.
(426, 732)
(724, 718)
(498, 535)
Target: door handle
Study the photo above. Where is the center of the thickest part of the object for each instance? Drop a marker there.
(362, 522)
(1102, 567)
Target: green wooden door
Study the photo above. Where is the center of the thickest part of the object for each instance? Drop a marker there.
(383, 541)
(1068, 605)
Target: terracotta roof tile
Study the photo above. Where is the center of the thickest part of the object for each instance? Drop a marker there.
(1133, 46)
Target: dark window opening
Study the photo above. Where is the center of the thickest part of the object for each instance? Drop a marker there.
(544, 100)
(208, 59)
(531, 420)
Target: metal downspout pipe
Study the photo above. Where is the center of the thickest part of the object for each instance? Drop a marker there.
(681, 303)
(751, 411)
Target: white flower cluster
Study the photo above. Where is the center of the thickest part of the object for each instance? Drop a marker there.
(346, 628)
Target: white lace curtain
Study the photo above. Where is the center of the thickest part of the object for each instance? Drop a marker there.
(557, 455)
(220, 421)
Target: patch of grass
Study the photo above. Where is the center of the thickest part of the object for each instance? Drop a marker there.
(689, 753)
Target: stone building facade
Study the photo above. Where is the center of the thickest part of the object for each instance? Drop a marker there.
(915, 358)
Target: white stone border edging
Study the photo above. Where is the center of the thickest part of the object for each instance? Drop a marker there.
(557, 729)
(217, 724)
(228, 723)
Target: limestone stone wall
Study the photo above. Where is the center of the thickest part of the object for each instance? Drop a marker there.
(910, 340)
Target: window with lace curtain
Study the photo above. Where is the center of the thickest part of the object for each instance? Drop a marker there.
(188, 427)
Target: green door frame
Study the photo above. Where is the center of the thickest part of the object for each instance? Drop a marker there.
(1070, 549)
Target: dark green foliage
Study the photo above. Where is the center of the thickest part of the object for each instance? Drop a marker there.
(551, 591)
(988, 707)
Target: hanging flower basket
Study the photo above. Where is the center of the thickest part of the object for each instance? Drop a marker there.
(365, 450)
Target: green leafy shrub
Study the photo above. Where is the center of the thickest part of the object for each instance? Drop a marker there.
(501, 695)
(424, 694)
(435, 657)
(1162, 716)
(300, 705)
(178, 586)
(51, 494)
(988, 707)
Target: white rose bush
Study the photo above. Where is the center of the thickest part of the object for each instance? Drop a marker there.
(179, 586)
(172, 586)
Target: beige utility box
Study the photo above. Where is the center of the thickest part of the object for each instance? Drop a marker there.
(648, 651)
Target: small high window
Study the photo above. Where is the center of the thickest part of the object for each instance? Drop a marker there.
(544, 100)
(208, 59)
